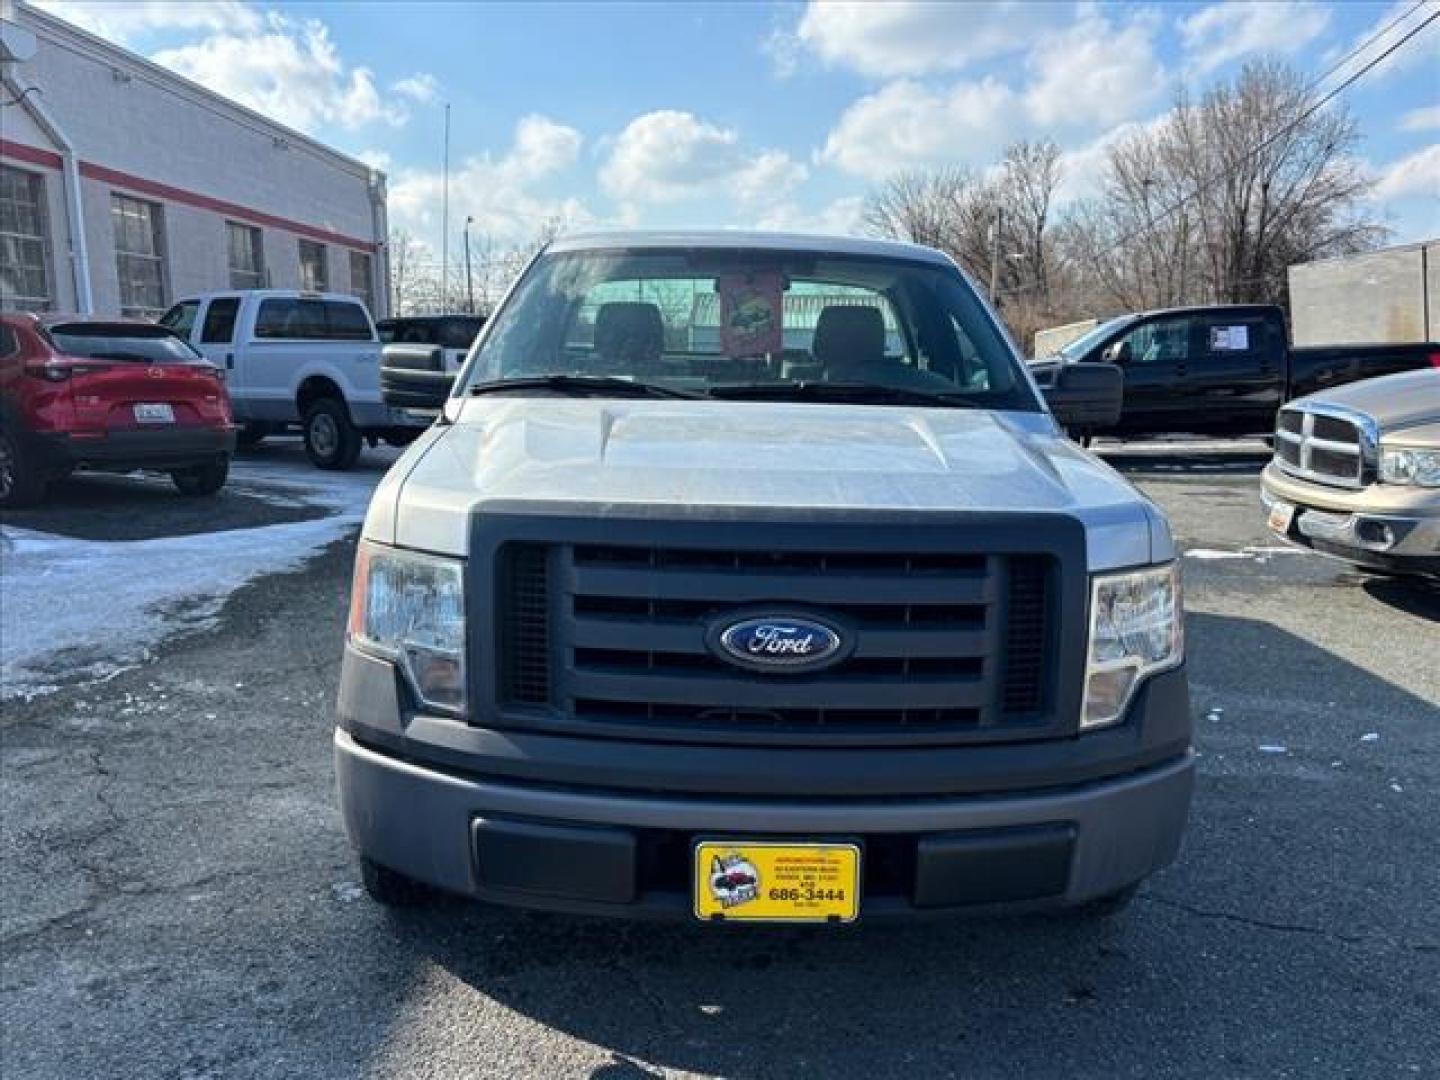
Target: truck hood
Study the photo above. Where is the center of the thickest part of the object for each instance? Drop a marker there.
(1395, 402)
(603, 456)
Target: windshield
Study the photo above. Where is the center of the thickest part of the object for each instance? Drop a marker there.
(1081, 345)
(773, 323)
(122, 341)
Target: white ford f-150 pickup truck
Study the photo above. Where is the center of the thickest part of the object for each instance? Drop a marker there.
(749, 577)
(297, 358)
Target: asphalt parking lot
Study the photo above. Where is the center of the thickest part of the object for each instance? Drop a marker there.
(179, 899)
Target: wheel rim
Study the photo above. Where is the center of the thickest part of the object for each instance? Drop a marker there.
(7, 469)
(324, 435)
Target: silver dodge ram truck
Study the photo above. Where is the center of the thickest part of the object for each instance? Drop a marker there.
(749, 577)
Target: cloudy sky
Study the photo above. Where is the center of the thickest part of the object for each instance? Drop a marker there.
(760, 114)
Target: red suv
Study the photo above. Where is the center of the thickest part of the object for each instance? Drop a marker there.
(81, 393)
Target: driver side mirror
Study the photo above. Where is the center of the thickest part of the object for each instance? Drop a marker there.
(1084, 397)
(1117, 353)
(414, 377)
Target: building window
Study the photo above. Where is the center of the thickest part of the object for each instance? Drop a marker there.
(139, 258)
(24, 267)
(313, 272)
(247, 262)
(361, 281)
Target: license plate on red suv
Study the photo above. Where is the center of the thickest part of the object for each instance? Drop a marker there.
(159, 412)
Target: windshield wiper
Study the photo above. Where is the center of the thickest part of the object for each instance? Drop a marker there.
(584, 386)
(861, 393)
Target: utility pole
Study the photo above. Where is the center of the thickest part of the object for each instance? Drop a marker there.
(469, 282)
(445, 220)
(995, 257)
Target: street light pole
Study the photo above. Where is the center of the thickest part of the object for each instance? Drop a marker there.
(995, 257)
(469, 282)
(445, 219)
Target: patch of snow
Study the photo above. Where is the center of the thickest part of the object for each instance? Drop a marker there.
(1258, 553)
(92, 609)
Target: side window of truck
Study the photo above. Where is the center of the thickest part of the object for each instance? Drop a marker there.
(1159, 341)
(346, 322)
(1222, 337)
(219, 325)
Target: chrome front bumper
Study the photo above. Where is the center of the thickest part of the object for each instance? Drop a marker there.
(1388, 534)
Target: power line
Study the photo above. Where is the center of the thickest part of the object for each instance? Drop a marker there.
(1358, 49)
(1286, 130)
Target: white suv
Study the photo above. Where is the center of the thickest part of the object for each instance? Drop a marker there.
(294, 357)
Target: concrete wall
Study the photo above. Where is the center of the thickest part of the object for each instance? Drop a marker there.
(1378, 297)
(142, 131)
(1049, 342)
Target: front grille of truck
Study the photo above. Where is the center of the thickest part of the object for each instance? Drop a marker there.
(1326, 447)
(609, 638)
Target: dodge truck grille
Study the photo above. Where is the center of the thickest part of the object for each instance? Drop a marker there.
(609, 638)
(1323, 445)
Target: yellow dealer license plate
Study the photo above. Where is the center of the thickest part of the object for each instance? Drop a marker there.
(758, 881)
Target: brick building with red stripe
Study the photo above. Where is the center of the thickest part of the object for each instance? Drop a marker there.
(124, 185)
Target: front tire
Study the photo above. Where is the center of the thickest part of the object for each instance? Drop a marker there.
(331, 440)
(201, 481)
(391, 888)
(20, 484)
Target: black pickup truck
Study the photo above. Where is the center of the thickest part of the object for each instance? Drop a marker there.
(1222, 370)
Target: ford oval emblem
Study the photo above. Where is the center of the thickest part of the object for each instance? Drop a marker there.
(780, 642)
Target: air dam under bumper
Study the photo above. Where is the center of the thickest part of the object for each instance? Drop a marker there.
(627, 854)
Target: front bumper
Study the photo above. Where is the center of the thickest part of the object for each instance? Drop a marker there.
(1400, 531)
(161, 448)
(607, 829)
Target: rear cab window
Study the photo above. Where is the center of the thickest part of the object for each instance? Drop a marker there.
(307, 319)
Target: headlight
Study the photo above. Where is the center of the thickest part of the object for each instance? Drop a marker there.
(1401, 465)
(410, 609)
(1136, 629)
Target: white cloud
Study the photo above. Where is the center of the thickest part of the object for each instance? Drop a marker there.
(1427, 119)
(1093, 72)
(376, 159)
(840, 217)
(121, 21)
(670, 156)
(1417, 174)
(913, 37)
(1088, 75)
(421, 88)
(290, 70)
(1220, 33)
(503, 194)
(907, 125)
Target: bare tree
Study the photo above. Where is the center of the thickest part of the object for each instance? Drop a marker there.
(403, 251)
(1030, 173)
(1213, 204)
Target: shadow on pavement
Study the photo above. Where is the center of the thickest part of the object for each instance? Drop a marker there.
(1162, 459)
(1414, 596)
(109, 507)
(1299, 871)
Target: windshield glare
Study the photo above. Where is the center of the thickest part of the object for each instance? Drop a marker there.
(1082, 344)
(703, 320)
